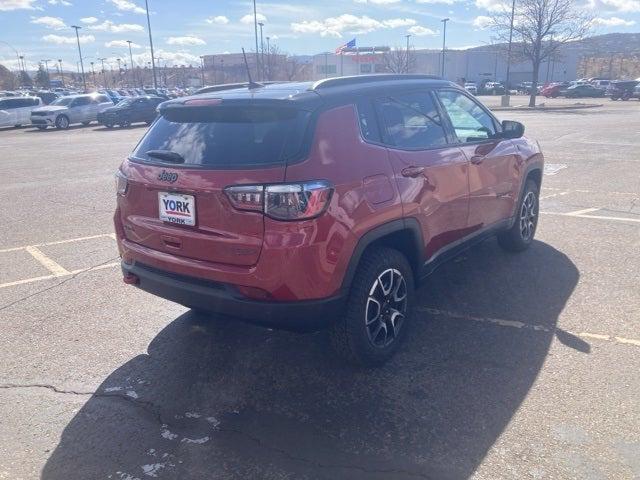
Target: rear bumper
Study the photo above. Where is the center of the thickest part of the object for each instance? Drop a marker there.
(225, 299)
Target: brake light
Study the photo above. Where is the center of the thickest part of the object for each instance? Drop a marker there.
(287, 201)
(122, 185)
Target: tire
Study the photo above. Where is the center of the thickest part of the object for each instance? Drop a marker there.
(62, 122)
(125, 124)
(41, 127)
(18, 125)
(361, 336)
(520, 236)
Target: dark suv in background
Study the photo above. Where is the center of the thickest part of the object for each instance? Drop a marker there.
(309, 205)
(130, 110)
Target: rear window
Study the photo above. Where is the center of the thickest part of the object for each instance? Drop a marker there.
(228, 137)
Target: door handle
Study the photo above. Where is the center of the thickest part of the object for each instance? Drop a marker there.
(477, 159)
(412, 171)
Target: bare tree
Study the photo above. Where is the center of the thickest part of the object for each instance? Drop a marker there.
(399, 60)
(540, 28)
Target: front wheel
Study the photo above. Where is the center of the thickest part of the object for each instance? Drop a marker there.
(378, 310)
(520, 236)
(62, 122)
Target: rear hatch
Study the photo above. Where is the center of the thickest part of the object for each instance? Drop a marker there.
(175, 200)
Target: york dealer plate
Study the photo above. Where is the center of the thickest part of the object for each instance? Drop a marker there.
(177, 208)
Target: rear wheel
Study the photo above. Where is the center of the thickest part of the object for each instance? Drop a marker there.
(378, 309)
(62, 122)
(125, 123)
(520, 235)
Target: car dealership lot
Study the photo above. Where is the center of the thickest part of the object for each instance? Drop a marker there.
(518, 366)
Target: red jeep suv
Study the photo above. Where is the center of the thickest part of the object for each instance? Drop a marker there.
(303, 205)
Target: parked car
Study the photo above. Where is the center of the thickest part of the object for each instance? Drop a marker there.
(47, 97)
(66, 111)
(622, 90)
(581, 91)
(600, 83)
(16, 111)
(554, 90)
(304, 206)
(471, 88)
(493, 88)
(130, 110)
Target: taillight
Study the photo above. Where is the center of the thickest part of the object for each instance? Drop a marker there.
(121, 183)
(285, 201)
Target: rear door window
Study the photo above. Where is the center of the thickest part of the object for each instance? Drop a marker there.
(412, 121)
(228, 136)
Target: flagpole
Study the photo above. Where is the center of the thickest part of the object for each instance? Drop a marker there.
(341, 64)
(357, 62)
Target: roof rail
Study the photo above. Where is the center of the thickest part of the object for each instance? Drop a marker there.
(359, 79)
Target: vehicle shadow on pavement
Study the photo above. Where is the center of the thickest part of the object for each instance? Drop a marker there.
(219, 399)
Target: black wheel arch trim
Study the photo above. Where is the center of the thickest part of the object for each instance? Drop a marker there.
(402, 224)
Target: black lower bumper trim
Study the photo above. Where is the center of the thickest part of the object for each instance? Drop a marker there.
(224, 299)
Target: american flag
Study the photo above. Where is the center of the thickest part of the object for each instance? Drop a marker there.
(349, 44)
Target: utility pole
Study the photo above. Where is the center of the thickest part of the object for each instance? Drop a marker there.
(444, 42)
(104, 73)
(506, 97)
(255, 31)
(84, 81)
(153, 60)
(261, 50)
(60, 71)
(408, 36)
(202, 67)
(133, 72)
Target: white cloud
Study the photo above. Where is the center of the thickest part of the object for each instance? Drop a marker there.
(378, 2)
(8, 5)
(121, 43)
(127, 6)
(481, 22)
(617, 5)
(431, 2)
(220, 20)
(248, 19)
(50, 22)
(89, 20)
(109, 26)
(421, 31)
(69, 40)
(492, 5)
(188, 40)
(64, 3)
(613, 22)
(336, 26)
(167, 57)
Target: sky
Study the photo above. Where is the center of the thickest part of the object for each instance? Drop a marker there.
(185, 29)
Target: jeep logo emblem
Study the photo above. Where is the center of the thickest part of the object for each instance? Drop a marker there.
(169, 177)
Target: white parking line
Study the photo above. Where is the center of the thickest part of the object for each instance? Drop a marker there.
(592, 191)
(552, 195)
(595, 217)
(55, 268)
(526, 326)
(577, 213)
(59, 242)
(49, 277)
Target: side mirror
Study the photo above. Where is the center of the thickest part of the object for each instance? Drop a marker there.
(511, 129)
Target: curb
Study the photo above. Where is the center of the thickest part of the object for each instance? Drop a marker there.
(546, 109)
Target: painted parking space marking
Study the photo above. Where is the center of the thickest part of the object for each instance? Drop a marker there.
(526, 326)
(553, 195)
(591, 191)
(553, 168)
(55, 268)
(594, 217)
(577, 213)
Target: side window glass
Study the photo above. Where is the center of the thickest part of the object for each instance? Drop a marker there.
(412, 121)
(470, 122)
(367, 120)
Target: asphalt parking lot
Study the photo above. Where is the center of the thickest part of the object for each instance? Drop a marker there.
(517, 366)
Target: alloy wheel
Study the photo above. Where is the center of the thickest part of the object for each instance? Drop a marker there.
(386, 308)
(528, 216)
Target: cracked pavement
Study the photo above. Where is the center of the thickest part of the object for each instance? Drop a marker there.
(508, 372)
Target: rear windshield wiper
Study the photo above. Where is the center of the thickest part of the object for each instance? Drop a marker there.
(166, 155)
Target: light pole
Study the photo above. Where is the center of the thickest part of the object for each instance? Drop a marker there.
(104, 72)
(268, 60)
(93, 74)
(60, 71)
(18, 57)
(46, 67)
(133, 72)
(408, 36)
(255, 31)
(261, 51)
(21, 62)
(506, 97)
(84, 81)
(444, 41)
(153, 60)
(202, 67)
